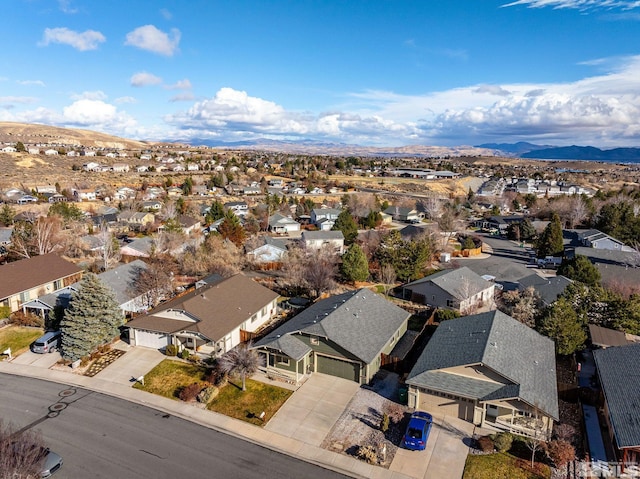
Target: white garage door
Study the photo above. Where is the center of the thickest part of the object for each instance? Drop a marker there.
(150, 339)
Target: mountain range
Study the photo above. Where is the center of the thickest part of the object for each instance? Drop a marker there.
(549, 152)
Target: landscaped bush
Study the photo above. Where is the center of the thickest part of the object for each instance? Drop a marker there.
(395, 412)
(368, 454)
(5, 312)
(384, 423)
(184, 354)
(190, 393)
(445, 314)
(171, 350)
(502, 441)
(26, 319)
(208, 394)
(485, 444)
(217, 377)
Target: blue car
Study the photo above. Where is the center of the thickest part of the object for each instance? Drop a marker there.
(415, 438)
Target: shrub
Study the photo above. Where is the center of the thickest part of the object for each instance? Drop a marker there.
(445, 314)
(171, 350)
(184, 354)
(560, 452)
(395, 412)
(5, 312)
(208, 394)
(217, 377)
(26, 319)
(485, 444)
(368, 454)
(190, 392)
(503, 441)
(384, 423)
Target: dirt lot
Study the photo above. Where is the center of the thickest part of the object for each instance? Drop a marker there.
(359, 423)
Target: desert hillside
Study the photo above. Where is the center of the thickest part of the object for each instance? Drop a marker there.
(29, 133)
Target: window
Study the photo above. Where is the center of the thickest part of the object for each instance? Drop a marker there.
(450, 303)
(284, 360)
(57, 284)
(254, 317)
(264, 311)
(25, 296)
(314, 340)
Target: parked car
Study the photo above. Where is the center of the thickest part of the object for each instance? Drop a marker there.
(47, 343)
(415, 438)
(52, 463)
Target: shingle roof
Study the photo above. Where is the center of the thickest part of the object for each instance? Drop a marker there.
(31, 272)
(323, 235)
(450, 281)
(121, 280)
(499, 342)
(548, 288)
(218, 308)
(618, 371)
(361, 322)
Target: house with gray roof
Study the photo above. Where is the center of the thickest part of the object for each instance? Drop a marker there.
(458, 289)
(618, 373)
(281, 224)
(270, 253)
(404, 214)
(325, 218)
(549, 289)
(491, 370)
(315, 240)
(346, 335)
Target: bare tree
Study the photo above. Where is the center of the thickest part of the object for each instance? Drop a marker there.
(110, 248)
(21, 454)
(293, 269)
(522, 305)
(155, 282)
(37, 238)
(241, 361)
(320, 272)
(387, 277)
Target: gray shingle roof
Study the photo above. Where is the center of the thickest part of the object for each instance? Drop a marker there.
(618, 371)
(548, 288)
(360, 322)
(499, 342)
(323, 235)
(450, 280)
(122, 280)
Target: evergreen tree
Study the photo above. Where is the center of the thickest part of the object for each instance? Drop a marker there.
(355, 266)
(216, 212)
(550, 242)
(20, 147)
(187, 186)
(231, 229)
(347, 225)
(408, 258)
(7, 213)
(92, 319)
(562, 324)
(580, 269)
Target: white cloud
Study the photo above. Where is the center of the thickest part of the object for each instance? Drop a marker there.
(125, 99)
(24, 100)
(577, 4)
(87, 40)
(89, 95)
(141, 79)
(31, 82)
(148, 37)
(166, 14)
(180, 85)
(185, 96)
(65, 7)
(96, 114)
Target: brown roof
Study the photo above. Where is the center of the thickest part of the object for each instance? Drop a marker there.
(219, 308)
(605, 337)
(32, 272)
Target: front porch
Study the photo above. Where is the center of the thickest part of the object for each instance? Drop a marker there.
(517, 422)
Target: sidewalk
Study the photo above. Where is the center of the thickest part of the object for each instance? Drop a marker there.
(114, 385)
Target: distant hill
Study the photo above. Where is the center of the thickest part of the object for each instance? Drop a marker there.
(29, 133)
(516, 149)
(591, 153)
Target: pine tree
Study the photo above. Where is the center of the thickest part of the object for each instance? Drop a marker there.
(216, 212)
(355, 266)
(550, 242)
(348, 226)
(231, 229)
(92, 319)
(564, 326)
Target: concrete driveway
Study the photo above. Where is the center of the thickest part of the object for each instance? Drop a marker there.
(311, 411)
(39, 360)
(445, 454)
(136, 362)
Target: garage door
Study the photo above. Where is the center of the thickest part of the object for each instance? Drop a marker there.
(339, 368)
(150, 339)
(447, 406)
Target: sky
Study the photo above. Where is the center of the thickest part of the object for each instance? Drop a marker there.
(367, 72)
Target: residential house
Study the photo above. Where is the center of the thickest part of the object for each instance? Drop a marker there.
(617, 369)
(34, 151)
(599, 240)
(240, 208)
(315, 240)
(152, 205)
(491, 370)
(251, 190)
(26, 199)
(325, 218)
(271, 252)
(189, 224)
(51, 152)
(549, 289)
(281, 224)
(84, 195)
(142, 168)
(458, 289)
(9, 149)
(174, 192)
(125, 193)
(210, 320)
(193, 167)
(139, 247)
(27, 279)
(404, 214)
(348, 335)
(42, 189)
(602, 337)
(91, 166)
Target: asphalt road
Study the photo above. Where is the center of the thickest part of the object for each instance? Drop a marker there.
(100, 436)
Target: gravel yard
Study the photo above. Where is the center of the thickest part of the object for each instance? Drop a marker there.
(359, 424)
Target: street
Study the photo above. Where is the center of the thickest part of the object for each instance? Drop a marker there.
(101, 436)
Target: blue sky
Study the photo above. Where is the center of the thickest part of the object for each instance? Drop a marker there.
(370, 72)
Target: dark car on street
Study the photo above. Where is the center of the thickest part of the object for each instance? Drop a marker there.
(415, 438)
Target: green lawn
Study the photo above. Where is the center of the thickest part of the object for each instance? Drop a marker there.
(18, 338)
(247, 405)
(502, 466)
(170, 376)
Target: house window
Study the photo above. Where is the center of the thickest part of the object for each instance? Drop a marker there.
(57, 284)
(264, 311)
(450, 303)
(314, 340)
(284, 360)
(253, 318)
(24, 296)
